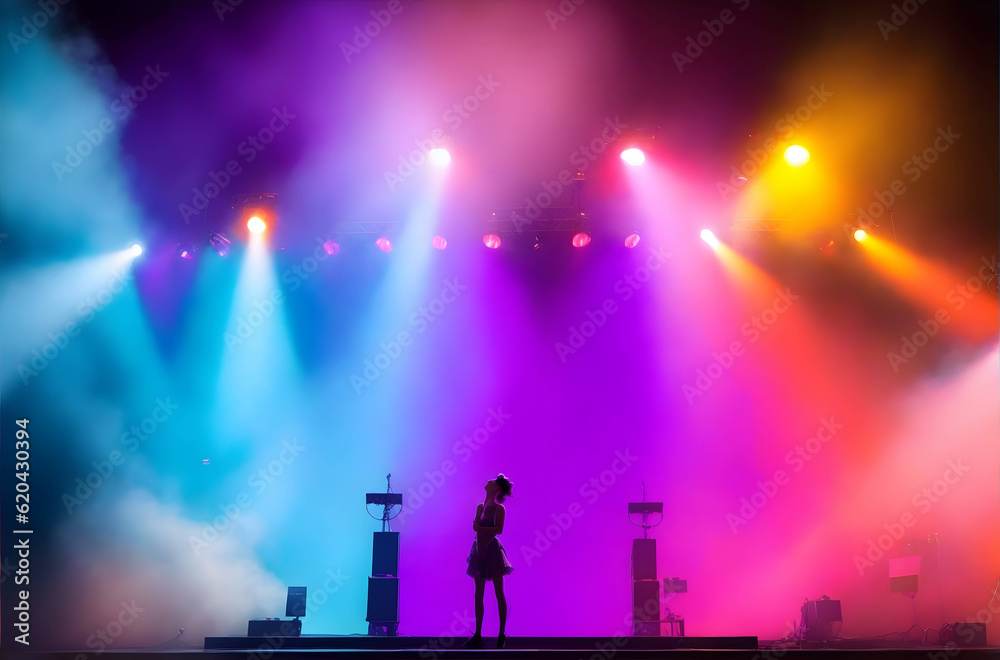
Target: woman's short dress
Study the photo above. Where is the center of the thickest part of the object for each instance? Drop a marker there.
(492, 562)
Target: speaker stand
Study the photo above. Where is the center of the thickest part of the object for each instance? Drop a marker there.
(912, 595)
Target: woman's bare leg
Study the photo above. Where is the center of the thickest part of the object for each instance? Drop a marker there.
(480, 608)
(501, 603)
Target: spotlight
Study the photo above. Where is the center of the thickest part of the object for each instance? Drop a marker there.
(634, 157)
(709, 237)
(331, 248)
(439, 157)
(136, 249)
(219, 243)
(256, 225)
(860, 235)
(580, 239)
(185, 251)
(796, 156)
(632, 240)
(439, 242)
(491, 241)
(538, 245)
(258, 211)
(384, 244)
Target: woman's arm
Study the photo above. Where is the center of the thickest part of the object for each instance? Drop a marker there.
(501, 515)
(475, 521)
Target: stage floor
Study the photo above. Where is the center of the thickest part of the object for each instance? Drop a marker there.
(554, 648)
(351, 647)
(585, 648)
(428, 645)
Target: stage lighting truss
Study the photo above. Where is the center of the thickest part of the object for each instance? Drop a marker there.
(367, 227)
(766, 225)
(534, 222)
(383, 233)
(762, 228)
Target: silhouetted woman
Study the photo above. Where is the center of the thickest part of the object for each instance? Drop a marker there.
(488, 561)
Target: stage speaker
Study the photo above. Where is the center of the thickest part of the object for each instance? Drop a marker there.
(823, 619)
(295, 603)
(643, 559)
(274, 628)
(385, 554)
(963, 634)
(645, 600)
(383, 600)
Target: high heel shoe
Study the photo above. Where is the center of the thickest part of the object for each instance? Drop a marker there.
(475, 642)
(501, 640)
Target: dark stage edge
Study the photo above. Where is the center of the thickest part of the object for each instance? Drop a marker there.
(431, 644)
(581, 648)
(359, 647)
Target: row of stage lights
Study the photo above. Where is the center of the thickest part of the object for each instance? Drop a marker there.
(795, 155)
(256, 225)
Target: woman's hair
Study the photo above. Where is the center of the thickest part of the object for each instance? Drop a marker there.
(505, 487)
